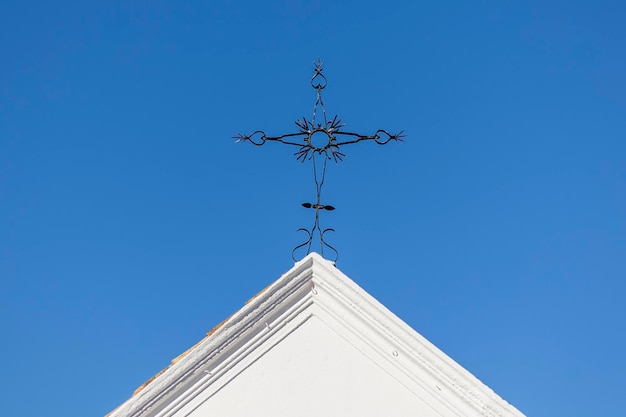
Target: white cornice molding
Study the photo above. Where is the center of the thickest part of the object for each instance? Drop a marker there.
(411, 350)
(314, 286)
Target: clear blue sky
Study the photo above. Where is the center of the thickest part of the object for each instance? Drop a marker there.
(131, 223)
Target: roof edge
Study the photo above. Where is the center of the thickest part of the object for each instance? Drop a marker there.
(183, 369)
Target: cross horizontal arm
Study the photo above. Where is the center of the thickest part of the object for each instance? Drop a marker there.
(381, 137)
(259, 138)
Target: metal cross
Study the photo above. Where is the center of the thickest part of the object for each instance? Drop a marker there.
(323, 140)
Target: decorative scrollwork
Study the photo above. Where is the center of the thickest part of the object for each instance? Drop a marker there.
(329, 147)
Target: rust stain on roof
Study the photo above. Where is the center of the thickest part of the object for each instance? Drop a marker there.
(257, 294)
(179, 357)
(188, 351)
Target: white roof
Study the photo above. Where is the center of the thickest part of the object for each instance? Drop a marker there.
(314, 343)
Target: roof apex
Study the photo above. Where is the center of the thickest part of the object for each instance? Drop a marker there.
(314, 287)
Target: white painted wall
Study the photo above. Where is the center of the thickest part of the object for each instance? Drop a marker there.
(314, 372)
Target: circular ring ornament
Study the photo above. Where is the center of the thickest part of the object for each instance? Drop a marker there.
(319, 140)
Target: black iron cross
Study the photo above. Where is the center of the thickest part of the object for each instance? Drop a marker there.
(323, 140)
